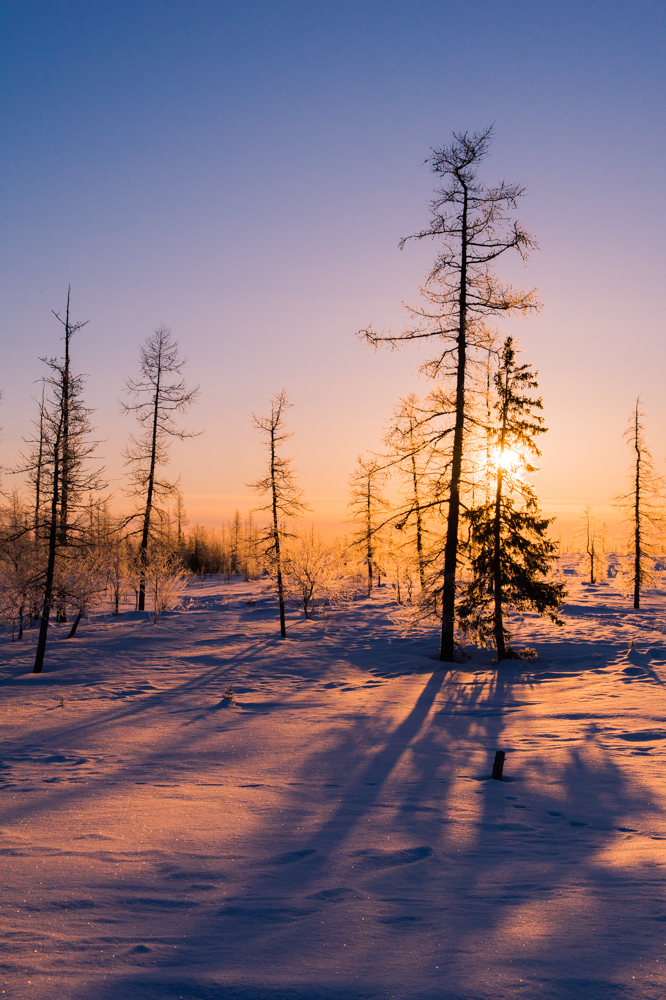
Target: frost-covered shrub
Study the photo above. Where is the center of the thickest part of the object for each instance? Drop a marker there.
(165, 579)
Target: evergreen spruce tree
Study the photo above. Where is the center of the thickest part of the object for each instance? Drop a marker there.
(511, 551)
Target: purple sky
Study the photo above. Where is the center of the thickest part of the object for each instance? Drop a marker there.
(243, 172)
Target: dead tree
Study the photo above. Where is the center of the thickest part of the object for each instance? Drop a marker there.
(19, 567)
(51, 462)
(70, 454)
(474, 228)
(47, 597)
(155, 398)
(36, 471)
(591, 534)
(642, 504)
(75, 428)
(284, 497)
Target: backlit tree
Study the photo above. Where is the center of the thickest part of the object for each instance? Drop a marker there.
(473, 227)
(512, 551)
(642, 504)
(284, 498)
(156, 398)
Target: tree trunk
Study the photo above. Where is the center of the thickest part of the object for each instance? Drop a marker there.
(50, 566)
(75, 625)
(38, 470)
(276, 538)
(637, 521)
(280, 586)
(417, 507)
(61, 613)
(498, 623)
(637, 541)
(369, 551)
(145, 535)
(447, 648)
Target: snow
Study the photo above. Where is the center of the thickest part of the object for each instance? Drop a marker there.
(335, 833)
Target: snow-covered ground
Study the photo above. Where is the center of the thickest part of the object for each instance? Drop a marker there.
(334, 835)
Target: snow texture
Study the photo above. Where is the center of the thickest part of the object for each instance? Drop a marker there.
(334, 834)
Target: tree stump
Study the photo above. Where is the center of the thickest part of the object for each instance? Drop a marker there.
(498, 765)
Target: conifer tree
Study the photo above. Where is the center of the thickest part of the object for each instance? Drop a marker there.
(284, 497)
(512, 552)
(473, 226)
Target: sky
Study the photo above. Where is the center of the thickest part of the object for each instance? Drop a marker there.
(243, 172)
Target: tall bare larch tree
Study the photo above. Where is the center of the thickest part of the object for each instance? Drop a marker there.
(367, 504)
(62, 538)
(409, 453)
(474, 227)
(642, 504)
(591, 535)
(156, 397)
(284, 498)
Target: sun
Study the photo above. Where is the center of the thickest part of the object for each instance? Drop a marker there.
(509, 459)
(506, 458)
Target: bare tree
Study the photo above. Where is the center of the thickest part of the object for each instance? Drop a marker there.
(642, 504)
(407, 441)
(235, 543)
(37, 467)
(71, 453)
(73, 479)
(82, 584)
(366, 504)
(155, 398)
(474, 227)
(310, 569)
(284, 497)
(54, 442)
(165, 578)
(591, 535)
(118, 560)
(250, 542)
(19, 566)
(181, 518)
(60, 527)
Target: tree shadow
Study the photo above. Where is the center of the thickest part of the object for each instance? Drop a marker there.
(397, 847)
